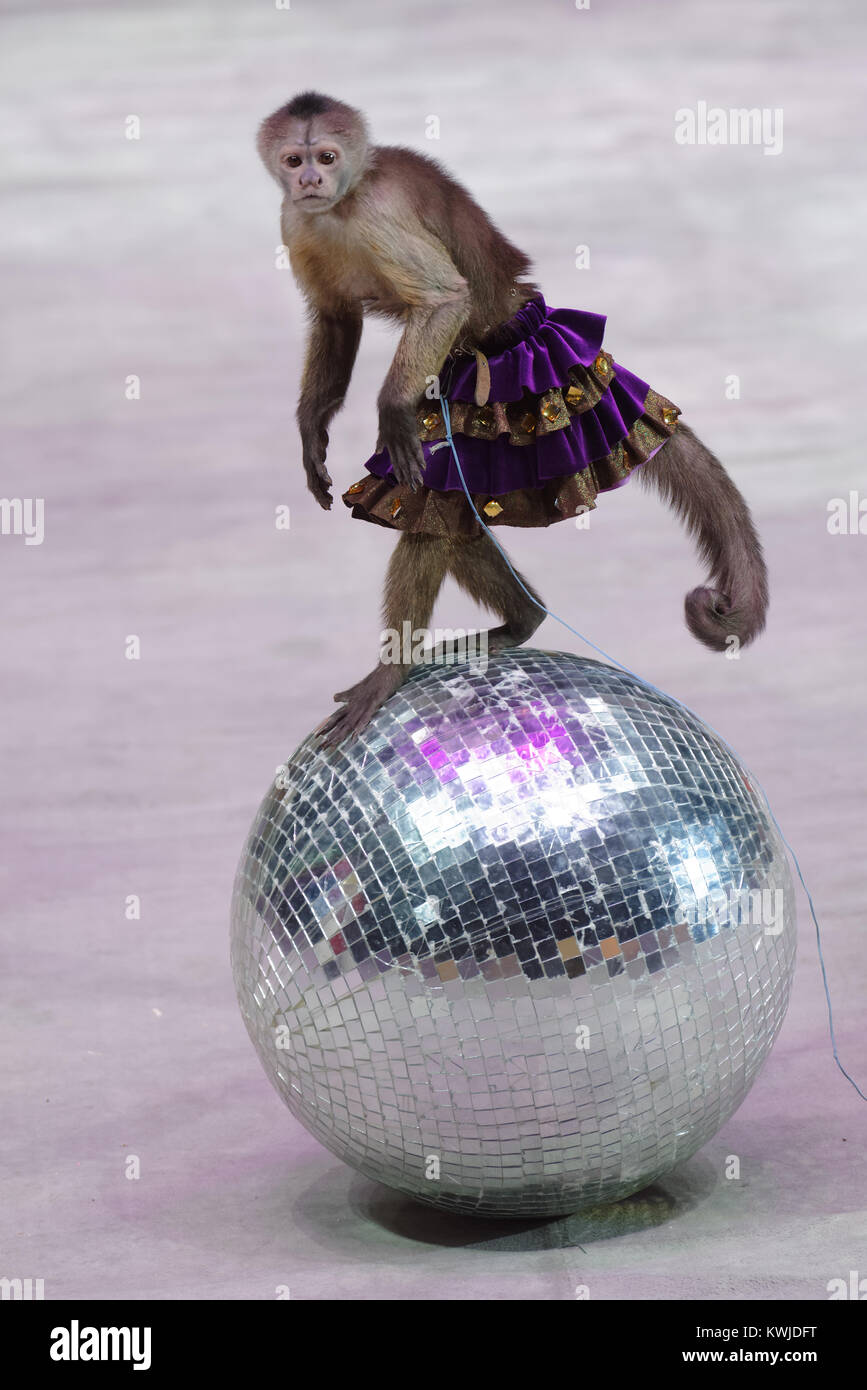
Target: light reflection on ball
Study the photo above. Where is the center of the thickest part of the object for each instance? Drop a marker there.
(523, 946)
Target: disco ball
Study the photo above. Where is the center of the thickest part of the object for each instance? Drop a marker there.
(520, 948)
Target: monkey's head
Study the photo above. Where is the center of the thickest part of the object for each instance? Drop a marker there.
(316, 149)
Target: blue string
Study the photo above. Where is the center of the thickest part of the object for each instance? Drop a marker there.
(650, 686)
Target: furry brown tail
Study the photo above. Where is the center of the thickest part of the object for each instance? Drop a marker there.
(697, 487)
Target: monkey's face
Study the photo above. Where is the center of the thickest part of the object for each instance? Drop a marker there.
(316, 169)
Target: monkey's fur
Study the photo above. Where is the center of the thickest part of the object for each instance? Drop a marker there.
(383, 230)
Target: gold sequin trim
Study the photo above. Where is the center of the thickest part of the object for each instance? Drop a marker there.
(526, 419)
(448, 513)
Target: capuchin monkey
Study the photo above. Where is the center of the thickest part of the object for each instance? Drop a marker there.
(383, 230)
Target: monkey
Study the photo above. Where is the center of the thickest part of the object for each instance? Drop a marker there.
(545, 417)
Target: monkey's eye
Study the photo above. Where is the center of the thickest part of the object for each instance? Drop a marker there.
(292, 160)
(327, 157)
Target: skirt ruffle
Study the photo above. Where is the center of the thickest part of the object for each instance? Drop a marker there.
(447, 512)
(551, 421)
(548, 343)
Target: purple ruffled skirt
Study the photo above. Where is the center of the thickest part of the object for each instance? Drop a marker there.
(541, 426)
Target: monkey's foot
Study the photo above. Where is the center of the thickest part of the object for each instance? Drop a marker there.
(500, 639)
(360, 703)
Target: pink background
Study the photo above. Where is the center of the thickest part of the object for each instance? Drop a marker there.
(157, 257)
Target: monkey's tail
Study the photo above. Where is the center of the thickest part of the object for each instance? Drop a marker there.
(694, 483)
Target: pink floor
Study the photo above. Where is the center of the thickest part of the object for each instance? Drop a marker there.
(156, 258)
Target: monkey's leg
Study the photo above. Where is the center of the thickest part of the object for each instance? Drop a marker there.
(415, 574)
(481, 571)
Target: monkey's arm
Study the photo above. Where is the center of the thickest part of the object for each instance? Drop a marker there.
(332, 345)
(437, 302)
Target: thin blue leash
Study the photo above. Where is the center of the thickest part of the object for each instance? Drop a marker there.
(650, 686)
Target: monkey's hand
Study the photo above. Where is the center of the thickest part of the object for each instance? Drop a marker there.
(314, 443)
(398, 434)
